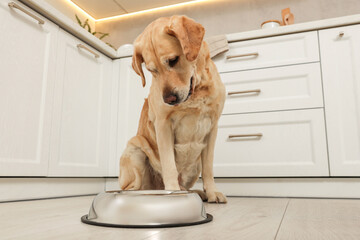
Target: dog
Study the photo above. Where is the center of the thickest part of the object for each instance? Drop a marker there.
(178, 123)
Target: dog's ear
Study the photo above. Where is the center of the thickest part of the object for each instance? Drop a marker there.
(137, 61)
(189, 33)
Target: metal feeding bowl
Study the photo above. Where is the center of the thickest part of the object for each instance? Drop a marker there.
(147, 209)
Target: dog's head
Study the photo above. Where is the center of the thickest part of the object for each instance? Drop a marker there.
(169, 48)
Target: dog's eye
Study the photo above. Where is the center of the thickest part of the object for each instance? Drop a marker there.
(152, 70)
(173, 61)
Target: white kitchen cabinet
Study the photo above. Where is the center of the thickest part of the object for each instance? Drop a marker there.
(285, 143)
(80, 136)
(270, 52)
(340, 60)
(130, 102)
(272, 89)
(27, 67)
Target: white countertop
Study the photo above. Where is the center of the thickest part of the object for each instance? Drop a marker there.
(294, 28)
(126, 50)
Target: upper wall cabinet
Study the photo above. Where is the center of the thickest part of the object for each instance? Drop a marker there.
(80, 136)
(340, 57)
(26, 83)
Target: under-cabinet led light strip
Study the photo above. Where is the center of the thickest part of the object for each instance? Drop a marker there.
(133, 13)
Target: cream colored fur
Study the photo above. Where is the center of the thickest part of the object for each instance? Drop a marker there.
(175, 143)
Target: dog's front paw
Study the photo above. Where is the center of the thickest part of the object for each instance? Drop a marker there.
(201, 194)
(216, 197)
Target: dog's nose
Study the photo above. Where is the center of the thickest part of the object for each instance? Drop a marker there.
(171, 99)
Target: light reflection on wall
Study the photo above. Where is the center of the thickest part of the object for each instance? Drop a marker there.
(134, 13)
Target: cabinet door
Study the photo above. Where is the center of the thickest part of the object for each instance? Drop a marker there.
(27, 62)
(130, 102)
(81, 117)
(340, 60)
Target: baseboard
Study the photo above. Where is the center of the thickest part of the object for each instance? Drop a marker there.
(280, 187)
(12, 189)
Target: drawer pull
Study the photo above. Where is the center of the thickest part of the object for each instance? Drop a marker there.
(255, 54)
(341, 34)
(14, 5)
(244, 92)
(258, 135)
(88, 49)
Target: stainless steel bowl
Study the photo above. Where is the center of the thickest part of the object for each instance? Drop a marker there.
(144, 209)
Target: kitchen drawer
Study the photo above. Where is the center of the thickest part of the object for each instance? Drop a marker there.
(269, 89)
(293, 143)
(270, 52)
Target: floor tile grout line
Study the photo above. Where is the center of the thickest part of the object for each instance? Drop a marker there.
(277, 232)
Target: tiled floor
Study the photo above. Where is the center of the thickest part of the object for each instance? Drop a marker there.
(241, 218)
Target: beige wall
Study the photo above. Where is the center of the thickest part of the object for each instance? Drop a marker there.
(69, 10)
(229, 16)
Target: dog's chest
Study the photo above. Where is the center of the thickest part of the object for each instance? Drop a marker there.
(190, 134)
(191, 128)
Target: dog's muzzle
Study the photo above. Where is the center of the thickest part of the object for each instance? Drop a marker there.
(174, 99)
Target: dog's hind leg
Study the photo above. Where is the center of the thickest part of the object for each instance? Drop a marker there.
(134, 166)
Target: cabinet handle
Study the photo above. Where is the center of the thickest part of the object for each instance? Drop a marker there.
(341, 34)
(14, 5)
(88, 49)
(243, 92)
(255, 54)
(258, 135)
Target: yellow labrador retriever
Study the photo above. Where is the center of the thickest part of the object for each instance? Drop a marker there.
(178, 124)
